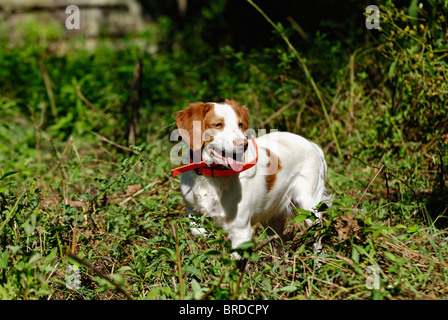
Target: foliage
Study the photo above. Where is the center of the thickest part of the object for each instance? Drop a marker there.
(71, 182)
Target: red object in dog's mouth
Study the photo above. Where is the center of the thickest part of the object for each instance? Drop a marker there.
(202, 168)
(234, 161)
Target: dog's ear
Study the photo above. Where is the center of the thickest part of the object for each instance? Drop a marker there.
(190, 123)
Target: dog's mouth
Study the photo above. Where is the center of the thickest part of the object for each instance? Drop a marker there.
(233, 160)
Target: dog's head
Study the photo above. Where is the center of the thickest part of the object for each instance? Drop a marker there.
(217, 130)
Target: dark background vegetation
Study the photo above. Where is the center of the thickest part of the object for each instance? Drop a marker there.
(234, 22)
(84, 150)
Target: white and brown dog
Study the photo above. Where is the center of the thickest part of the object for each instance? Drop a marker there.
(240, 182)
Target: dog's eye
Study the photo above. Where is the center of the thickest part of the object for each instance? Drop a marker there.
(218, 125)
(240, 125)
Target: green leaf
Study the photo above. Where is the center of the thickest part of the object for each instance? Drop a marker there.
(390, 256)
(254, 256)
(301, 249)
(170, 253)
(289, 289)
(246, 245)
(212, 252)
(303, 214)
(355, 255)
(198, 292)
(15, 249)
(7, 174)
(303, 211)
(300, 218)
(193, 270)
(413, 9)
(34, 258)
(4, 259)
(412, 229)
(266, 284)
(30, 224)
(392, 67)
(123, 269)
(52, 254)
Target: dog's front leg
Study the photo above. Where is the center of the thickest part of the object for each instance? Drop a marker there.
(239, 235)
(238, 225)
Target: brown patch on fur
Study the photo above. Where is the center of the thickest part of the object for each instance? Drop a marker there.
(212, 125)
(272, 178)
(193, 135)
(241, 112)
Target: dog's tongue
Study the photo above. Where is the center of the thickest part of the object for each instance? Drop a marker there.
(234, 164)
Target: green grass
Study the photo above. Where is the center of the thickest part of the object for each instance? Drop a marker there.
(74, 195)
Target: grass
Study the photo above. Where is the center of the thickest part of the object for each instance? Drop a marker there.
(86, 215)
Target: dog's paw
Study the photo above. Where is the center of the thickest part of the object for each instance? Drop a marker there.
(199, 232)
(235, 256)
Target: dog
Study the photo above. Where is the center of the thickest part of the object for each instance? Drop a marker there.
(241, 181)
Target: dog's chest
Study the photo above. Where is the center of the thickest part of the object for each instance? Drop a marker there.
(210, 197)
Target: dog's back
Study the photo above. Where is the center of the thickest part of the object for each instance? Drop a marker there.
(297, 181)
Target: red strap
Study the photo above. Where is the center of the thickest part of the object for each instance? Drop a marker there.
(215, 170)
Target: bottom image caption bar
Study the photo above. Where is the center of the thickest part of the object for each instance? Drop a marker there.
(225, 309)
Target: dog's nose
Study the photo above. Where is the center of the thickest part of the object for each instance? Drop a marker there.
(241, 144)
